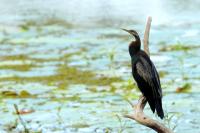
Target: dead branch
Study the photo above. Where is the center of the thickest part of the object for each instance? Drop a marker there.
(141, 118)
(139, 115)
(146, 36)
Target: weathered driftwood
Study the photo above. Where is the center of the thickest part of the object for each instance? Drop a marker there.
(139, 115)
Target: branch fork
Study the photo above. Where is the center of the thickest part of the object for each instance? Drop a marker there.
(141, 118)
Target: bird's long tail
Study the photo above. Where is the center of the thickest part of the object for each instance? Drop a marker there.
(159, 108)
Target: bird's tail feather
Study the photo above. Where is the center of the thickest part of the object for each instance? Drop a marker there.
(151, 104)
(159, 108)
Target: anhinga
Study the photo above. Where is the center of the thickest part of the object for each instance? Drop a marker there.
(146, 75)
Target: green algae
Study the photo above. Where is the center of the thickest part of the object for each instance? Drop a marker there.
(24, 57)
(66, 75)
(21, 57)
(21, 67)
(14, 41)
(47, 22)
(73, 98)
(80, 125)
(24, 27)
(14, 94)
(178, 47)
(67, 56)
(162, 74)
(4, 40)
(57, 21)
(113, 35)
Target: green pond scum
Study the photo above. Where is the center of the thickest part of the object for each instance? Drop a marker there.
(63, 76)
(178, 47)
(47, 22)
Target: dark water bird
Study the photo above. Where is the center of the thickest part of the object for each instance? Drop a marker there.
(145, 75)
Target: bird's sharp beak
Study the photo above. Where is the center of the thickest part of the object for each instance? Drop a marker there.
(126, 30)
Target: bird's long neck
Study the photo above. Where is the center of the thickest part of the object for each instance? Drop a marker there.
(134, 46)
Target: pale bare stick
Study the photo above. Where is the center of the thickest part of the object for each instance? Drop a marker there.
(139, 115)
(146, 36)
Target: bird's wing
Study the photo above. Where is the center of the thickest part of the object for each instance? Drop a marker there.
(157, 79)
(147, 71)
(148, 82)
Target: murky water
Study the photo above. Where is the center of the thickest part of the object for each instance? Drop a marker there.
(67, 63)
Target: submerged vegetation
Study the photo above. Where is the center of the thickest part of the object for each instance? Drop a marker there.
(52, 20)
(64, 75)
(178, 47)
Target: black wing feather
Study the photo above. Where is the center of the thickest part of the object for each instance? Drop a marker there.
(147, 78)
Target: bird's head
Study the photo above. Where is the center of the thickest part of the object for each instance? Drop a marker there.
(134, 46)
(132, 32)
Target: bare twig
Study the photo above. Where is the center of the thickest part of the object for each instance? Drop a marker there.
(146, 36)
(139, 115)
(20, 119)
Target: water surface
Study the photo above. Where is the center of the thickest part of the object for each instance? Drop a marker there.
(67, 63)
